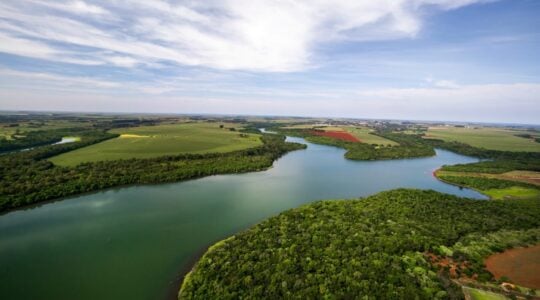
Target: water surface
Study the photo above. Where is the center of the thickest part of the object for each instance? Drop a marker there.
(131, 243)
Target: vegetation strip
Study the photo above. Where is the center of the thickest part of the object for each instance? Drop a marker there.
(28, 177)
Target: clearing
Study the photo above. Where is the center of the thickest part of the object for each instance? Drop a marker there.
(520, 265)
(485, 137)
(161, 140)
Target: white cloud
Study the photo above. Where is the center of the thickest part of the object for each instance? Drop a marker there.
(259, 35)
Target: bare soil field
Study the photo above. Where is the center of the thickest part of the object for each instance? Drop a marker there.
(521, 265)
(339, 135)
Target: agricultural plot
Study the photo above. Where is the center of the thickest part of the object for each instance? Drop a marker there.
(154, 141)
(364, 135)
(520, 265)
(518, 191)
(484, 137)
(355, 134)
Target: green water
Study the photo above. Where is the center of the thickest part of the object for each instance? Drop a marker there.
(133, 243)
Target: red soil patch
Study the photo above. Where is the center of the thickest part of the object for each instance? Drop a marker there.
(455, 268)
(338, 135)
(521, 265)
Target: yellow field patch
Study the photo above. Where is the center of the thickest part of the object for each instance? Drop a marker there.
(133, 136)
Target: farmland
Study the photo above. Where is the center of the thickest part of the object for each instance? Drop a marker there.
(338, 135)
(366, 136)
(363, 134)
(155, 141)
(520, 265)
(484, 137)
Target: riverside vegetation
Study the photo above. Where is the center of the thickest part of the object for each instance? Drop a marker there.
(409, 145)
(28, 177)
(372, 248)
(415, 145)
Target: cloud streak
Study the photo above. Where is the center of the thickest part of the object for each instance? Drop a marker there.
(260, 35)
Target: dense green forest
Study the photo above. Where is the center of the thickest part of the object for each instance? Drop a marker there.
(27, 177)
(409, 145)
(372, 248)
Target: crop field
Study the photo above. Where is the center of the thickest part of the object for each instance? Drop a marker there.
(361, 134)
(488, 138)
(154, 141)
(338, 135)
(521, 265)
(364, 135)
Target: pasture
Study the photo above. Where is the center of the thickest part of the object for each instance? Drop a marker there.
(161, 140)
(485, 137)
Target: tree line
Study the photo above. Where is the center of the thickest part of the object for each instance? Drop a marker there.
(410, 146)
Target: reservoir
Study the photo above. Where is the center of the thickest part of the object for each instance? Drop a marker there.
(134, 242)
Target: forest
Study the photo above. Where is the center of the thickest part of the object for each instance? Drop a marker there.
(27, 177)
(371, 248)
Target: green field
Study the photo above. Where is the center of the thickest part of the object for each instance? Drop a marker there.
(515, 192)
(154, 141)
(364, 135)
(476, 294)
(484, 137)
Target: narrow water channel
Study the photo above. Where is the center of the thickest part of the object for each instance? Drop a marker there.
(132, 242)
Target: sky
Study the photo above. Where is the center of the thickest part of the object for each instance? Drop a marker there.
(453, 60)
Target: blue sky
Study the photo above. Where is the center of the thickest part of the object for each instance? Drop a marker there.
(463, 60)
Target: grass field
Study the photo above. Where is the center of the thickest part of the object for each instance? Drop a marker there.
(153, 141)
(484, 137)
(476, 294)
(515, 192)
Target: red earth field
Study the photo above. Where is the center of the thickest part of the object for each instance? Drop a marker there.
(339, 135)
(521, 265)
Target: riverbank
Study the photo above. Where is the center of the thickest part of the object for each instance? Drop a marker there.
(132, 242)
(275, 257)
(50, 182)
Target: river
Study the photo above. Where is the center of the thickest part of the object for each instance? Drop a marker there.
(133, 242)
